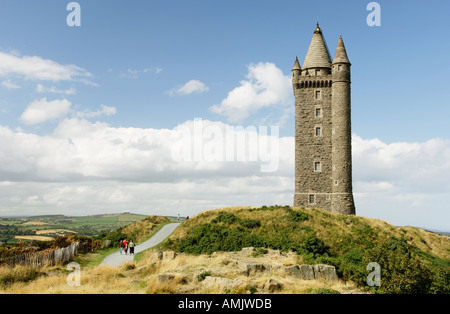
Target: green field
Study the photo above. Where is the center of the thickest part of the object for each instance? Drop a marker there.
(84, 225)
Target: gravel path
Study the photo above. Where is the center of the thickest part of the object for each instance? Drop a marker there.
(117, 259)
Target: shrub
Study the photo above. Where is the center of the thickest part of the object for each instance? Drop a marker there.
(227, 218)
(203, 275)
(230, 218)
(313, 245)
(401, 270)
(296, 216)
(250, 223)
(209, 238)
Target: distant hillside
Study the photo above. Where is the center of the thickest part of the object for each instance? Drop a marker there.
(33, 226)
(412, 260)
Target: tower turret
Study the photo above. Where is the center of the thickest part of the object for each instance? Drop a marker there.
(317, 60)
(296, 72)
(342, 197)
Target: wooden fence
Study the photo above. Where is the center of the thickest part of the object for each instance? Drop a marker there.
(44, 258)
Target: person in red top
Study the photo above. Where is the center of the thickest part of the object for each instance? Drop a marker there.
(125, 245)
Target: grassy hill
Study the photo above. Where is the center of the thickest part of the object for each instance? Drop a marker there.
(412, 260)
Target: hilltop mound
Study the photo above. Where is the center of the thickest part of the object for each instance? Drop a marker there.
(412, 260)
(138, 231)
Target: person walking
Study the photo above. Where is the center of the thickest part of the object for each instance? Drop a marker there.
(120, 246)
(125, 246)
(132, 245)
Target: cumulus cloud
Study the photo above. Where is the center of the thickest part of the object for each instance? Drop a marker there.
(403, 182)
(265, 86)
(43, 110)
(84, 150)
(94, 166)
(97, 167)
(37, 68)
(42, 89)
(104, 110)
(191, 87)
(10, 85)
(411, 167)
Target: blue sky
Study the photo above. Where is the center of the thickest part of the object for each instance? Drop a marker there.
(129, 64)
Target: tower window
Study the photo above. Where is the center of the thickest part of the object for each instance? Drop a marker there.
(317, 95)
(336, 182)
(318, 131)
(318, 112)
(339, 67)
(317, 72)
(312, 199)
(317, 166)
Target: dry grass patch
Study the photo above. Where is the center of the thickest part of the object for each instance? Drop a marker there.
(51, 231)
(34, 223)
(36, 238)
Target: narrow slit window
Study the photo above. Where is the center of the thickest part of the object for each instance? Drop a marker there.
(317, 166)
(318, 112)
(317, 94)
(312, 199)
(318, 131)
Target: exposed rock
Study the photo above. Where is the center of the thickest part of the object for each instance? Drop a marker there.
(310, 272)
(250, 268)
(325, 272)
(271, 286)
(165, 277)
(305, 272)
(179, 278)
(274, 253)
(247, 251)
(157, 256)
(221, 283)
(169, 255)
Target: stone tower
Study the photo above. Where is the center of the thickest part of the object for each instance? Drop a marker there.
(323, 151)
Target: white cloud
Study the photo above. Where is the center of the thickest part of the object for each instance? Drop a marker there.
(266, 86)
(43, 110)
(104, 110)
(191, 87)
(10, 85)
(405, 183)
(97, 167)
(42, 89)
(134, 74)
(36, 68)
